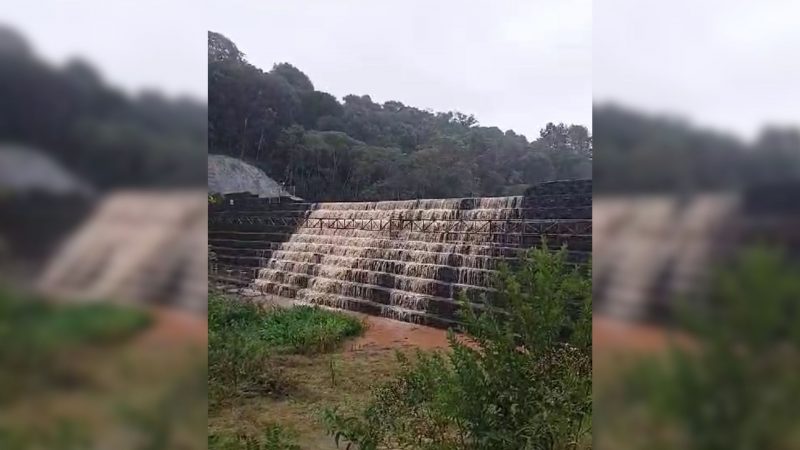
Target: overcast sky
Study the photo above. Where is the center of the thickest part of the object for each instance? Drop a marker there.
(517, 64)
(732, 65)
(513, 64)
(134, 44)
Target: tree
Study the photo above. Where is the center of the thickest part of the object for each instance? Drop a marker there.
(293, 76)
(278, 120)
(222, 49)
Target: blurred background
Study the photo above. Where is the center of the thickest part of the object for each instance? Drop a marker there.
(103, 254)
(696, 213)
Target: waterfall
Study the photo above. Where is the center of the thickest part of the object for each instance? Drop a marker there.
(410, 260)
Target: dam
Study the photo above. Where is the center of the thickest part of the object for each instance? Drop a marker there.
(409, 260)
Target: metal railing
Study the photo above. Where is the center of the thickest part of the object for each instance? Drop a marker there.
(580, 227)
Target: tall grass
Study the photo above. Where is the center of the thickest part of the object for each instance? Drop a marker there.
(274, 437)
(245, 338)
(37, 335)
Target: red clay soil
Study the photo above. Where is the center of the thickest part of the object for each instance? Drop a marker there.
(171, 325)
(385, 334)
(614, 335)
(608, 335)
(175, 326)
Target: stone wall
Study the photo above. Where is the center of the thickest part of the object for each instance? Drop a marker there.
(408, 260)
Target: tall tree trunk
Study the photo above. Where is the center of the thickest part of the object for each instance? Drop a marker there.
(260, 141)
(243, 139)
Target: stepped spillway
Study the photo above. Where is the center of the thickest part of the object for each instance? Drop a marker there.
(409, 260)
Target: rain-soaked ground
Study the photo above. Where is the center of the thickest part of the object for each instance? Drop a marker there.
(117, 392)
(342, 379)
(389, 334)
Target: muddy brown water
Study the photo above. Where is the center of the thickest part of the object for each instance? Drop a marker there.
(383, 334)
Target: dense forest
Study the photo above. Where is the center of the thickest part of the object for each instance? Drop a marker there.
(108, 138)
(358, 149)
(641, 152)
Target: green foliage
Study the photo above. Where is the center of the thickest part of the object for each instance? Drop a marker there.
(107, 137)
(640, 152)
(244, 338)
(35, 334)
(362, 150)
(238, 361)
(521, 381)
(66, 436)
(308, 330)
(736, 385)
(274, 438)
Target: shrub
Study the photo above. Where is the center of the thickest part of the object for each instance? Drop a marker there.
(735, 385)
(523, 382)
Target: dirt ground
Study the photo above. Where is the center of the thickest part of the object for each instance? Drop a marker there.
(342, 379)
(611, 335)
(175, 327)
(120, 396)
(387, 334)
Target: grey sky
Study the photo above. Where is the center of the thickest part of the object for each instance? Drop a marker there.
(731, 65)
(134, 44)
(514, 64)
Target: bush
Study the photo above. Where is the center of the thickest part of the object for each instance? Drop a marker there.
(523, 382)
(735, 384)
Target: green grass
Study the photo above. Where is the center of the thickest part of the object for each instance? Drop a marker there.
(298, 330)
(53, 325)
(90, 380)
(36, 336)
(245, 339)
(274, 437)
(245, 342)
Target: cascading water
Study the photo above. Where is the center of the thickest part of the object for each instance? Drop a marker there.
(408, 259)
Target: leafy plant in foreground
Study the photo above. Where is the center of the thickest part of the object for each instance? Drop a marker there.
(735, 385)
(522, 380)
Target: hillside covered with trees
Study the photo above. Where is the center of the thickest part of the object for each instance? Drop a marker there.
(642, 152)
(357, 149)
(107, 137)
